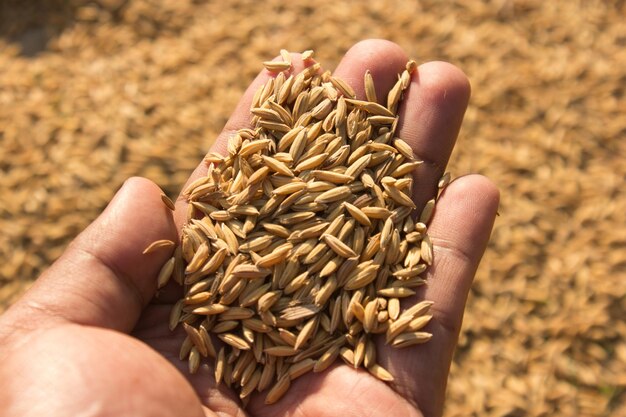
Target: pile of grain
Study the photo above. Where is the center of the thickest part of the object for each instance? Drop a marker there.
(116, 88)
(301, 241)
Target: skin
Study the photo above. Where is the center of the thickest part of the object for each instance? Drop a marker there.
(90, 337)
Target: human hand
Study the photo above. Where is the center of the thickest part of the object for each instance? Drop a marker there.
(84, 339)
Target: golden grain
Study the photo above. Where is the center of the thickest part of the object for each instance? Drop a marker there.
(396, 292)
(166, 272)
(418, 309)
(168, 202)
(234, 341)
(380, 372)
(398, 326)
(418, 322)
(370, 91)
(347, 355)
(411, 339)
(175, 315)
(300, 368)
(237, 313)
(276, 66)
(338, 246)
(210, 309)
(199, 257)
(426, 251)
(194, 360)
(343, 87)
(369, 316)
(225, 326)
(278, 390)
(158, 244)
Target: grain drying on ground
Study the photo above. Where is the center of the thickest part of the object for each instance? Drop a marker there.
(93, 92)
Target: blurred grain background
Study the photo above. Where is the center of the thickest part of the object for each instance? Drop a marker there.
(92, 92)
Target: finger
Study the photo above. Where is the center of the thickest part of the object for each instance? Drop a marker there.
(240, 119)
(103, 279)
(459, 231)
(384, 59)
(430, 118)
(74, 370)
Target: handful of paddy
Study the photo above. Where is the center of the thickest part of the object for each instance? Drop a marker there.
(301, 241)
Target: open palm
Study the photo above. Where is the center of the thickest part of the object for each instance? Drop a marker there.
(66, 348)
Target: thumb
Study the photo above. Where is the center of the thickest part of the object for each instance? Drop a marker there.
(103, 279)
